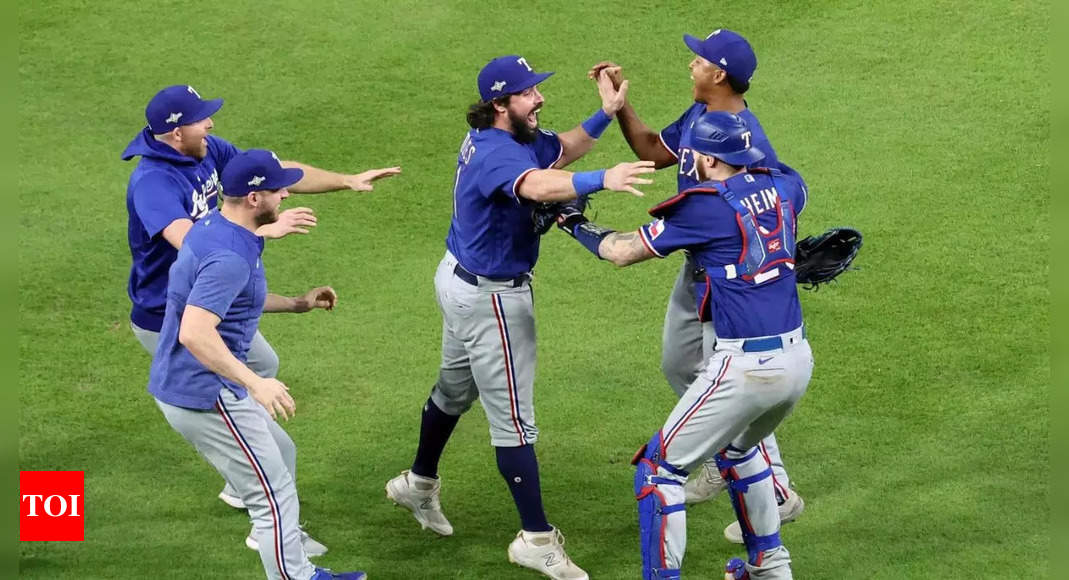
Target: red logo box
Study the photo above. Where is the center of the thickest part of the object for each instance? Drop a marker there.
(51, 506)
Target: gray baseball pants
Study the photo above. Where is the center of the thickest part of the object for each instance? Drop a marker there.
(488, 353)
(263, 361)
(239, 439)
(738, 399)
(685, 346)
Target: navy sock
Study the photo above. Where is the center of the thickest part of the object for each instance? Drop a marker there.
(519, 467)
(434, 432)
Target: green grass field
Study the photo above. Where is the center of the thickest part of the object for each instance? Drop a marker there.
(921, 447)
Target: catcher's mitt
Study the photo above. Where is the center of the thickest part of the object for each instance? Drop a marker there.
(819, 259)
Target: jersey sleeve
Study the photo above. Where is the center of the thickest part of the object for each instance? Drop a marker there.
(221, 150)
(798, 190)
(504, 169)
(548, 148)
(221, 276)
(158, 201)
(687, 225)
(671, 135)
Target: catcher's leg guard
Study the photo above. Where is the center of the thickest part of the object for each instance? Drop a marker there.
(662, 516)
(753, 496)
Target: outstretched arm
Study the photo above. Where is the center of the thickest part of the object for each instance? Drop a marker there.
(622, 249)
(645, 142)
(317, 180)
(552, 185)
(580, 140)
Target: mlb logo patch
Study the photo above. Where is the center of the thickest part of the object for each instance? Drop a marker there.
(655, 229)
(51, 506)
(774, 245)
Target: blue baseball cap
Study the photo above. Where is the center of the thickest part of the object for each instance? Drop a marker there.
(506, 75)
(256, 170)
(724, 136)
(727, 50)
(178, 105)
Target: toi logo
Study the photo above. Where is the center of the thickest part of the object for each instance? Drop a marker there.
(51, 506)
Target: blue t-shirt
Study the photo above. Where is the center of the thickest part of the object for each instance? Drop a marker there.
(702, 222)
(672, 137)
(492, 232)
(164, 186)
(218, 269)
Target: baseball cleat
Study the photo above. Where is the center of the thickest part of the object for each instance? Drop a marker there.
(312, 547)
(420, 495)
(736, 570)
(790, 509)
(544, 552)
(704, 485)
(325, 574)
(230, 499)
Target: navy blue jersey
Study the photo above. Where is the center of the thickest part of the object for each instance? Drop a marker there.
(164, 186)
(217, 269)
(703, 223)
(492, 232)
(672, 137)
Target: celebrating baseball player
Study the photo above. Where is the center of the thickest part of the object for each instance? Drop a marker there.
(721, 69)
(507, 179)
(739, 225)
(175, 184)
(202, 383)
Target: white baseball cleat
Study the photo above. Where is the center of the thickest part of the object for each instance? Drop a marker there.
(704, 485)
(312, 547)
(230, 499)
(788, 511)
(544, 552)
(420, 495)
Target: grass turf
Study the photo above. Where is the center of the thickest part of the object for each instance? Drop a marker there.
(920, 448)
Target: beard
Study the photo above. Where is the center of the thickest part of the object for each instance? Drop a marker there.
(267, 216)
(521, 131)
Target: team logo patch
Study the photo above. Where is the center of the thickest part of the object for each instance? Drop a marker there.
(775, 245)
(256, 180)
(497, 86)
(655, 229)
(174, 117)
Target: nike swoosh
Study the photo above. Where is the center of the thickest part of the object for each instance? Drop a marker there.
(762, 361)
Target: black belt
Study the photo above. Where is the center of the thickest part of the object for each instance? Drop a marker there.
(474, 280)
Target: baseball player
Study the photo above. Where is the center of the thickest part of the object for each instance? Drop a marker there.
(175, 184)
(507, 165)
(721, 69)
(216, 293)
(739, 225)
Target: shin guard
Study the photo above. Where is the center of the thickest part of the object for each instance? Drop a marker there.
(662, 517)
(753, 496)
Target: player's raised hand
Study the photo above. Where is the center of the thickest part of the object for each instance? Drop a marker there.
(616, 74)
(274, 396)
(613, 96)
(291, 221)
(321, 297)
(363, 181)
(626, 175)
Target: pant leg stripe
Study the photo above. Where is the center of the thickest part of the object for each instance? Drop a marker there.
(701, 401)
(276, 513)
(780, 489)
(510, 375)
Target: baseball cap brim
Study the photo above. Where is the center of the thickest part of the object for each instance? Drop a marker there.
(746, 157)
(694, 44)
(529, 82)
(286, 178)
(207, 109)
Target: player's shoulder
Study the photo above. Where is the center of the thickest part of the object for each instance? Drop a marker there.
(700, 198)
(156, 176)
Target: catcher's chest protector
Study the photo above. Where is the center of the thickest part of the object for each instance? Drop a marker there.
(766, 251)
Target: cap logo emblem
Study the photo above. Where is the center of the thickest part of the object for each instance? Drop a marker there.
(193, 91)
(723, 61)
(174, 117)
(497, 86)
(256, 180)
